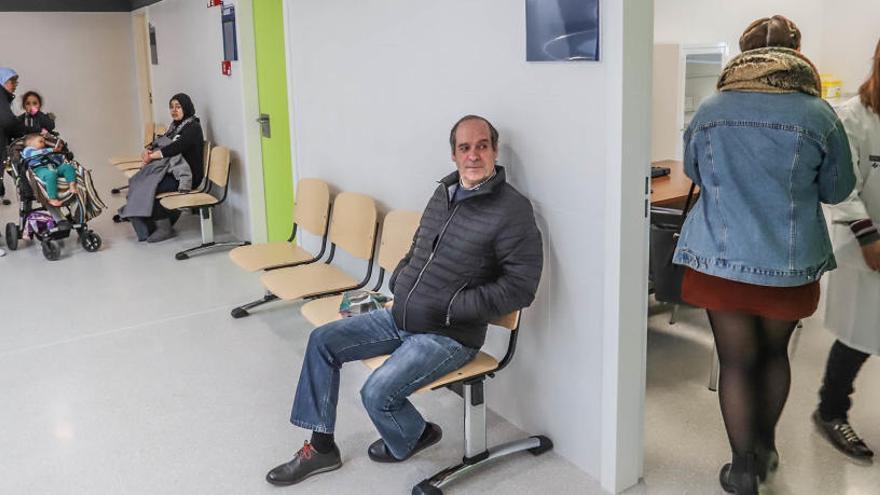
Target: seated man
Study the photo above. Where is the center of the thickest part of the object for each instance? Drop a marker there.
(476, 255)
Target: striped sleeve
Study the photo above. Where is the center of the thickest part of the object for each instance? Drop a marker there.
(865, 231)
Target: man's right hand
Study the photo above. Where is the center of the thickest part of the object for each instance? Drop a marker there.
(871, 253)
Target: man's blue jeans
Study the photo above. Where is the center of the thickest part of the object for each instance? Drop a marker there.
(417, 359)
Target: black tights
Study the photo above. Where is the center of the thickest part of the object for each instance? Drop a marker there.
(755, 377)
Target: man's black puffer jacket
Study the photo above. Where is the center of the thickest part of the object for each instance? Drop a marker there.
(469, 263)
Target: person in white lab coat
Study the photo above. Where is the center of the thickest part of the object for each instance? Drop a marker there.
(853, 304)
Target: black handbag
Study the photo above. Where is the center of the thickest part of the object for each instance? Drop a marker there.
(666, 227)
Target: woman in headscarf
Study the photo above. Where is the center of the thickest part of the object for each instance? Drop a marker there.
(10, 127)
(185, 138)
(766, 151)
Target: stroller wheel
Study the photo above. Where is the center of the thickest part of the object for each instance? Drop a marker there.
(90, 241)
(51, 250)
(12, 236)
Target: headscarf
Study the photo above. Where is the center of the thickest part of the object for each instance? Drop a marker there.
(771, 70)
(6, 74)
(185, 103)
(189, 114)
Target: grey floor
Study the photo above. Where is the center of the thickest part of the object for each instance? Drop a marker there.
(123, 373)
(685, 439)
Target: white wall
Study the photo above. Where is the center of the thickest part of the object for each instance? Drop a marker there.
(82, 65)
(713, 21)
(376, 87)
(839, 37)
(190, 49)
(850, 35)
(629, 54)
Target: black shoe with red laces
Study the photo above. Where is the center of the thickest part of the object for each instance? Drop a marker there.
(305, 463)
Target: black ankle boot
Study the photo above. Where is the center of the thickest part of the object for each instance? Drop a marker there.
(740, 476)
(767, 459)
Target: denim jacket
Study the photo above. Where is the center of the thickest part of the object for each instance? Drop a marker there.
(764, 162)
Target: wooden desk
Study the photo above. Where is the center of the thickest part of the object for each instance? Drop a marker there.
(672, 189)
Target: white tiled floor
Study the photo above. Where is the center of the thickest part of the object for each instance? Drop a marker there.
(123, 373)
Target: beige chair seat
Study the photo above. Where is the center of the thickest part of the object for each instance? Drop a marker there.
(306, 280)
(126, 166)
(191, 200)
(262, 256)
(117, 160)
(130, 173)
(322, 311)
(482, 363)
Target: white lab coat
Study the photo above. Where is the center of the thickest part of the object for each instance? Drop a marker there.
(853, 299)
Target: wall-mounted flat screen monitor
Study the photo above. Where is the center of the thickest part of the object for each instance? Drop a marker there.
(562, 30)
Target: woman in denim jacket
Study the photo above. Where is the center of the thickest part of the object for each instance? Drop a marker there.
(765, 151)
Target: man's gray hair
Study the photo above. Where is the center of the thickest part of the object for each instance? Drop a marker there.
(493, 133)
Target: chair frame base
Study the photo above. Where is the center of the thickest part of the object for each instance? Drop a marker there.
(242, 311)
(477, 455)
(206, 219)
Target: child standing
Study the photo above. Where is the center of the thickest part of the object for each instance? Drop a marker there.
(48, 165)
(33, 117)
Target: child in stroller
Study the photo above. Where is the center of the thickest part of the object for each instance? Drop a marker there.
(34, 119)
(48, 164)
(49, 224)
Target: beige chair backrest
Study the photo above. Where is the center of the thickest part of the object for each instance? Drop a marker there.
(218, 166)
(509, 321)
(398, 230)
(353, 224)
(206, 151)
(160, 129)
(206, 160)
(312, 205)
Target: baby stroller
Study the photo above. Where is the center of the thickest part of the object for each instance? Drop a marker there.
(47, 224)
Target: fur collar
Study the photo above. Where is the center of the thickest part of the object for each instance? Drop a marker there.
(771, 70)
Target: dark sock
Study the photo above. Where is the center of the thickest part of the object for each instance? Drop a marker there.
(426, 433)
(828, 418)
(322, 442)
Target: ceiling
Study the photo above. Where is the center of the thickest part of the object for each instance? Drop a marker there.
(73, 5)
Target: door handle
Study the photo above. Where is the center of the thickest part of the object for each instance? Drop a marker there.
(265, 125)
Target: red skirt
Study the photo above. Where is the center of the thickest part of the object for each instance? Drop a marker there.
(775, 303)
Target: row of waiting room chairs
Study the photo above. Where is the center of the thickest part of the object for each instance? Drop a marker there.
(202, 199)
(350, 222)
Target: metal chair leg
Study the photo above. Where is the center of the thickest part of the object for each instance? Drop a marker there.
(476, 453)
(117, 190)
(242, 311)
(204, 248)
(713, 374)
(207, 224)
